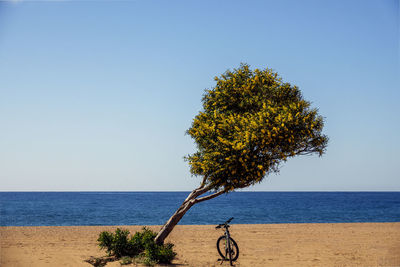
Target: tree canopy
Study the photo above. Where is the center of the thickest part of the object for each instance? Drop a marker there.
(250, 124)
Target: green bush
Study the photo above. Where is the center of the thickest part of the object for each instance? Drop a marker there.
(149, 262)
(141, 240)
(142, 244)
(105, 241)
(117, 244)
(126, 260)
(160, 253)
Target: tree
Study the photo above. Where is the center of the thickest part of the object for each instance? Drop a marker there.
(251, 123)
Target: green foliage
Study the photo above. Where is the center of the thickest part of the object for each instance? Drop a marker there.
(141, 240)
(117, 244)
(251, 122)
(126, 260)
(105, 241)
(160, 253)
(149, 262)
(141, 243)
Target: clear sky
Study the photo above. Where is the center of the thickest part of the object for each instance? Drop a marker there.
(97, 95)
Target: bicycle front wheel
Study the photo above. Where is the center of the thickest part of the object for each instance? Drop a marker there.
(223, 249)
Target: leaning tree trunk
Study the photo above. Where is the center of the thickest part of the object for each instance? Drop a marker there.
(186, 205)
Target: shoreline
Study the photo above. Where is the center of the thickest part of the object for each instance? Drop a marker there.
(295, 244)
(160, 225)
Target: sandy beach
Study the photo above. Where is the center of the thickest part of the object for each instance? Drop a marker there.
(350, 244)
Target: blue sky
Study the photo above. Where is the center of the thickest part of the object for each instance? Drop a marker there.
(97, 95)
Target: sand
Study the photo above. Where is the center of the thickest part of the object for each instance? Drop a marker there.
(352, 244)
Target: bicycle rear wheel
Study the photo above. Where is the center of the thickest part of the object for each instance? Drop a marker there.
(222, 247)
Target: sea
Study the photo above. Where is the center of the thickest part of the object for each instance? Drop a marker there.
(154, 208)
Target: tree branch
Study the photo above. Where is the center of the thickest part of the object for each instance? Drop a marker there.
(197, 192)
(197, 200)
(203, 183)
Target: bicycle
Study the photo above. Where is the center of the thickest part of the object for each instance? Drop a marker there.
(226, 244)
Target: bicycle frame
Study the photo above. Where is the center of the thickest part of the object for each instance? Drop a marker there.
(228, 237)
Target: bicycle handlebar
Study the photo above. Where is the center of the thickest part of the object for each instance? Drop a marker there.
(224, 224)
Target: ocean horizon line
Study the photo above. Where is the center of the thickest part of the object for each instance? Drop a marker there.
(184, 191)
(203, 224)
